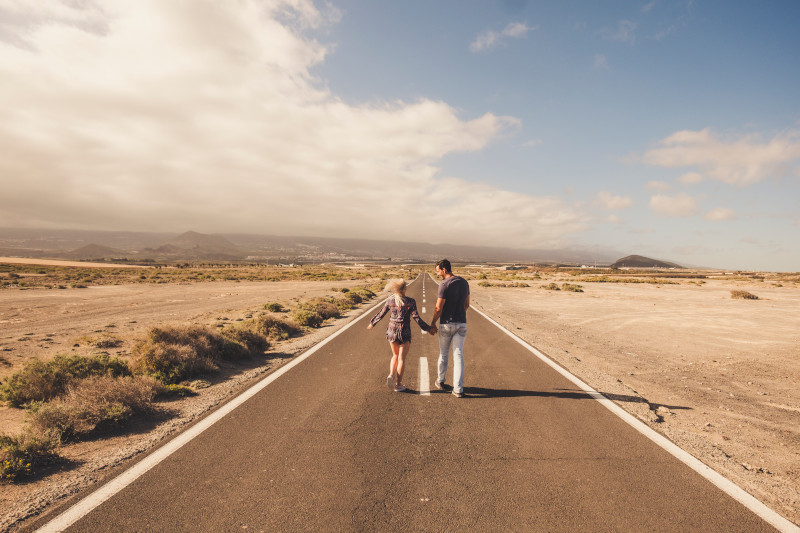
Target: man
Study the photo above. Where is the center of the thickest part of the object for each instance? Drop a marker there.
(451, 308)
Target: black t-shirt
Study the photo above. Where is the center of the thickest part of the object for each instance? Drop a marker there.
(454, 290)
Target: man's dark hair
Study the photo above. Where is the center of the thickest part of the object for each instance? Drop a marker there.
(444, 264)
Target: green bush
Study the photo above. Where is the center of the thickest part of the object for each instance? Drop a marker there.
(353, 297)
(365, 293)
(93, 404)
(572, 287)
(21, 455)
(42, 381)
(308, 318)
(274, 307)
(550, 287)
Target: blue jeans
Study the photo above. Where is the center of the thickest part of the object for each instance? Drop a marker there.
(455, 334)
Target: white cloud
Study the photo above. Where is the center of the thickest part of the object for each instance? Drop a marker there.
(611, 202)
(720, 214)
(680, 205)
(601, 62)
(614, 219)
(658, 186)
(490, 39)
(624, 32)
(532, 143)
(648, 7)
(740, 161)
(691, 178)
(663, 34)
(204, 115)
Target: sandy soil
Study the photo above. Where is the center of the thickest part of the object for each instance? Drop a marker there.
(59, 262)
(717, 376)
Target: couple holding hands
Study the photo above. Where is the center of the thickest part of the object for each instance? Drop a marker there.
(451, 310)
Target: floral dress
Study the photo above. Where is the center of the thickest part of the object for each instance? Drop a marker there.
(399, 329)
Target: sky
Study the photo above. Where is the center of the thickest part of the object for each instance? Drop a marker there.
(669, 129)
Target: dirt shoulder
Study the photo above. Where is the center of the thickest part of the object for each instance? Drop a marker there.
(717, 376)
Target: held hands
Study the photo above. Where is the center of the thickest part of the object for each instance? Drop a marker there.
(369, 326)
(433, 330)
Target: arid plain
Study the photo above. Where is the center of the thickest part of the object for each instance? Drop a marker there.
(717, 375)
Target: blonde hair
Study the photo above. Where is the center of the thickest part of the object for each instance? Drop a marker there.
(398, 288)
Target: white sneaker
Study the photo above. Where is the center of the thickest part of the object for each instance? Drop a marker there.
(390, 381)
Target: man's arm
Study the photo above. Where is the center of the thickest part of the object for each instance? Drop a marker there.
(466, 303)
(437, 311)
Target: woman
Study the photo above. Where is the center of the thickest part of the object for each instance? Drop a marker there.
(398, 333)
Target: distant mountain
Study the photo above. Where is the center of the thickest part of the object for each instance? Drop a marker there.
(192, 239)
(638, 261)
(193, 245)
(94, 251)
(272, 248)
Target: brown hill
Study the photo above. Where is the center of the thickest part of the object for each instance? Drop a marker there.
(94, 252)
(193, 245)
(639, 261)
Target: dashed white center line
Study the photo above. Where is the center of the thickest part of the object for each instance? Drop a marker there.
(424, 379)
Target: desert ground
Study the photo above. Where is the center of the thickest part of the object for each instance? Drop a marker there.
(716, 375)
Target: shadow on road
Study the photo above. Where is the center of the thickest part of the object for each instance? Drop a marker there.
(567, 394)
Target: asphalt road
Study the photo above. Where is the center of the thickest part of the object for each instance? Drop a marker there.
(328, 447)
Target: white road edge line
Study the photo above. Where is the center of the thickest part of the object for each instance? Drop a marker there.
(724, 484)
(424, 377)
(95, 499)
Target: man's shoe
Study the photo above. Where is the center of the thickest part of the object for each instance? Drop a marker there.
(439, 385)
(458, 394)
(390, 381)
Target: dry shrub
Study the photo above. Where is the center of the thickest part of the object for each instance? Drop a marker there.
(251, 341)
(744, 295)
(324, 307)
(44, 380)
(169, 362)
(94, 403)
(551, 287)
(172, 354)
(571, 287)
(272, 327)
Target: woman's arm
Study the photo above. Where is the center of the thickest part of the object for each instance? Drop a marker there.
(422, 324)
(377, 318)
